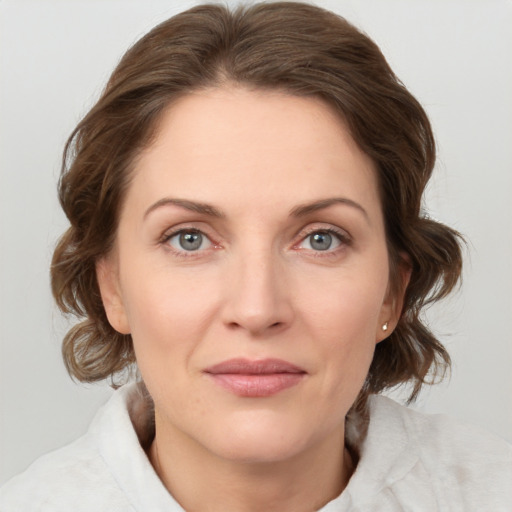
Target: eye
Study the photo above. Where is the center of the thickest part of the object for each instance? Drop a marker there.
(322, 240)
(189, 240)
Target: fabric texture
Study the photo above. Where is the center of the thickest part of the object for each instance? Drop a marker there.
(409, 461)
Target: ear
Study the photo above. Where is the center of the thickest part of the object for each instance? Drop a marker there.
(108, 281)
(392, 306)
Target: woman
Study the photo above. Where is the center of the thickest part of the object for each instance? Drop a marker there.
(244, 202)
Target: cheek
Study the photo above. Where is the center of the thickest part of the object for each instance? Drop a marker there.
(347, 302)
(168, 313)
(343, 320)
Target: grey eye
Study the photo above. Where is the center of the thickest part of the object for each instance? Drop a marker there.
(320, 241)
(189, 241)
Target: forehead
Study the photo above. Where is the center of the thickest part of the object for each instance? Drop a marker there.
(245, 147)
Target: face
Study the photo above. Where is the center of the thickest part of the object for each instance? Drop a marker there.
(251, 270)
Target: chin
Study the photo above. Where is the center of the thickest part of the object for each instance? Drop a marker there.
(264, 439)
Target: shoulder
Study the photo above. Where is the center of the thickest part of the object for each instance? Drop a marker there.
(76, 477)
(451, 440)
(465, 465)
(71, 478)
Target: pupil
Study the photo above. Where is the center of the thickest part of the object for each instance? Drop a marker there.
(321, 241)
(191, 241)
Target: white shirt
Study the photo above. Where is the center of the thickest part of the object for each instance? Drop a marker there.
(408, 462)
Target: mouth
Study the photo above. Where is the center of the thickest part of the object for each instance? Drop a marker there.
(261, 378)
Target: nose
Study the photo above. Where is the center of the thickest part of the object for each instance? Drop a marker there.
(258, 294)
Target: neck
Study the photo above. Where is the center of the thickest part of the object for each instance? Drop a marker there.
(304, 482)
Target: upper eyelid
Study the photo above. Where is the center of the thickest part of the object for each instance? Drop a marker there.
(181, 227)
(316, 227)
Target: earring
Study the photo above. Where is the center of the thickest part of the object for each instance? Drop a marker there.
(385, 326)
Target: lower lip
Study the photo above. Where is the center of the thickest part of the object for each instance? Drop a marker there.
(260, 385)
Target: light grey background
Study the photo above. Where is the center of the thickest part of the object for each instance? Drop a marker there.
(55, 57)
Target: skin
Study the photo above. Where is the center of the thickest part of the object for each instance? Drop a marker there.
(256, 288)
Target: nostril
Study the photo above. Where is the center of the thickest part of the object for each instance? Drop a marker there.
(237, 325)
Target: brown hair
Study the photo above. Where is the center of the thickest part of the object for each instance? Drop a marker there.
(296, 48)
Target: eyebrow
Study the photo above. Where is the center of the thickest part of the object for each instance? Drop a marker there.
(298, 211)
(306, 209)
(193, 206)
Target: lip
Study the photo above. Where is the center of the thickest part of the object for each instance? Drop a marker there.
(259, 378)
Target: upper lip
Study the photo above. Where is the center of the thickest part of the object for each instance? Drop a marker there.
(253, 367)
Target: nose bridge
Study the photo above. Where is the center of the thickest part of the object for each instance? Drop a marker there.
(258, 299)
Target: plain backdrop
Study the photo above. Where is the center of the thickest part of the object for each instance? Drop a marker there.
(55, 57)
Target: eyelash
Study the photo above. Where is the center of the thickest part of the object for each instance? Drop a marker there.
(183, 253)
(342, 236)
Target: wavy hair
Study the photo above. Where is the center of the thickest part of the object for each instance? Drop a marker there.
(292, 47)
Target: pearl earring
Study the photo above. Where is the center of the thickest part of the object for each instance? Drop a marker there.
(385, 326)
